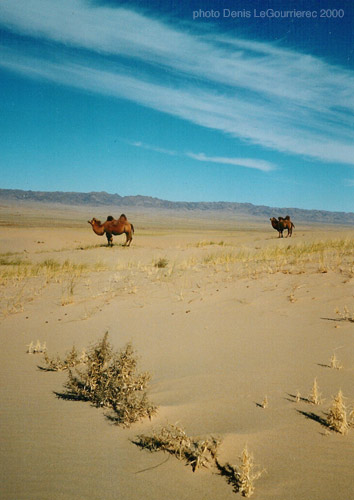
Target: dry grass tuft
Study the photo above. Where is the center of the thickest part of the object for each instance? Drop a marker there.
(346, 315)
(37, 348)
(264, 403)
(247, 476)
(337, 415)
(205, 243)
(108, 379)
(174, 440)
(56, 364)
(243, 476)
(315, 396)
(334, 362)
(161, 263)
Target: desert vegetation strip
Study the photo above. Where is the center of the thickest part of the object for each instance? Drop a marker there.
(106, 379)
(173, 439)
(199, 453)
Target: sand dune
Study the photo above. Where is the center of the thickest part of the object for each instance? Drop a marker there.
(233, 315)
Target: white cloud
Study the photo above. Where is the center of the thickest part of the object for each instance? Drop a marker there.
(139, 144)
(265, 166)
(258, 92)
(262, 165)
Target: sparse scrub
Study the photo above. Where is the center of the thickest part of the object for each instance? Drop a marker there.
(68, 289)
(337, 415)
(161, 263)
(334, 362)
(173, 439)
(246, 473)
(346, 315)
(51, 269)
(37, 348)
(23, 280)
(205, 243)
(292, 259)
(315, 396)
(57, 364)
(264, 403)
(15, 303)
(242, 476)
(108, 379)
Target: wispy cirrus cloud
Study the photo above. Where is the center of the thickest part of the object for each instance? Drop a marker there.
(156, 149)
(270, 96)
(264, 166)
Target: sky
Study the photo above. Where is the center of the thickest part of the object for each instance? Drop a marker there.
(199, 100)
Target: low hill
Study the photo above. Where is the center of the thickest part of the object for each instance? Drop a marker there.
(106, 199)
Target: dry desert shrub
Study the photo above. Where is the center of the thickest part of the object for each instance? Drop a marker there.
(37, 348)
(315, 396)
(161, 263)
(242, 476)
(109, 379)
(56, 364)
(346, 315)
(173, 439)
(246, 474)
(337, 415)
(264, 403)
(205, 243)
(334, 362)
(69, 286)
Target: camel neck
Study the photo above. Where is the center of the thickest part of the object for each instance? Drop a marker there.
(98, 229)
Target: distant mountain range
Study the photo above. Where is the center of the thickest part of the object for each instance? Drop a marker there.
(105, 199)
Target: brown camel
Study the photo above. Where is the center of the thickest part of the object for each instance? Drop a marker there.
(282, 223)
(113, 227)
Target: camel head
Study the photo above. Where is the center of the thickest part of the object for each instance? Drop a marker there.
(94, 221)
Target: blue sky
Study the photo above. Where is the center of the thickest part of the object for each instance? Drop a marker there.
(139, 98)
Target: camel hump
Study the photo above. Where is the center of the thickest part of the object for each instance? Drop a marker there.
(287, 217)
(110, 217)
(123, 217)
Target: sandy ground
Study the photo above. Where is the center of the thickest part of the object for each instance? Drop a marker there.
(216, 333)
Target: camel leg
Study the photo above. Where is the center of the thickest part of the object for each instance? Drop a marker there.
(129, 238)
(109, 239)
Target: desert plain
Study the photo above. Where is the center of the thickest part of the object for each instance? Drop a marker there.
(221, 313)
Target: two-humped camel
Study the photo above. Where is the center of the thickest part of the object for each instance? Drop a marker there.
(113, 227)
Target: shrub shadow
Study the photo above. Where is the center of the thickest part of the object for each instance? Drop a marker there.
(293, 398)
(68, 396)
(313, 416)
(229, 472)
